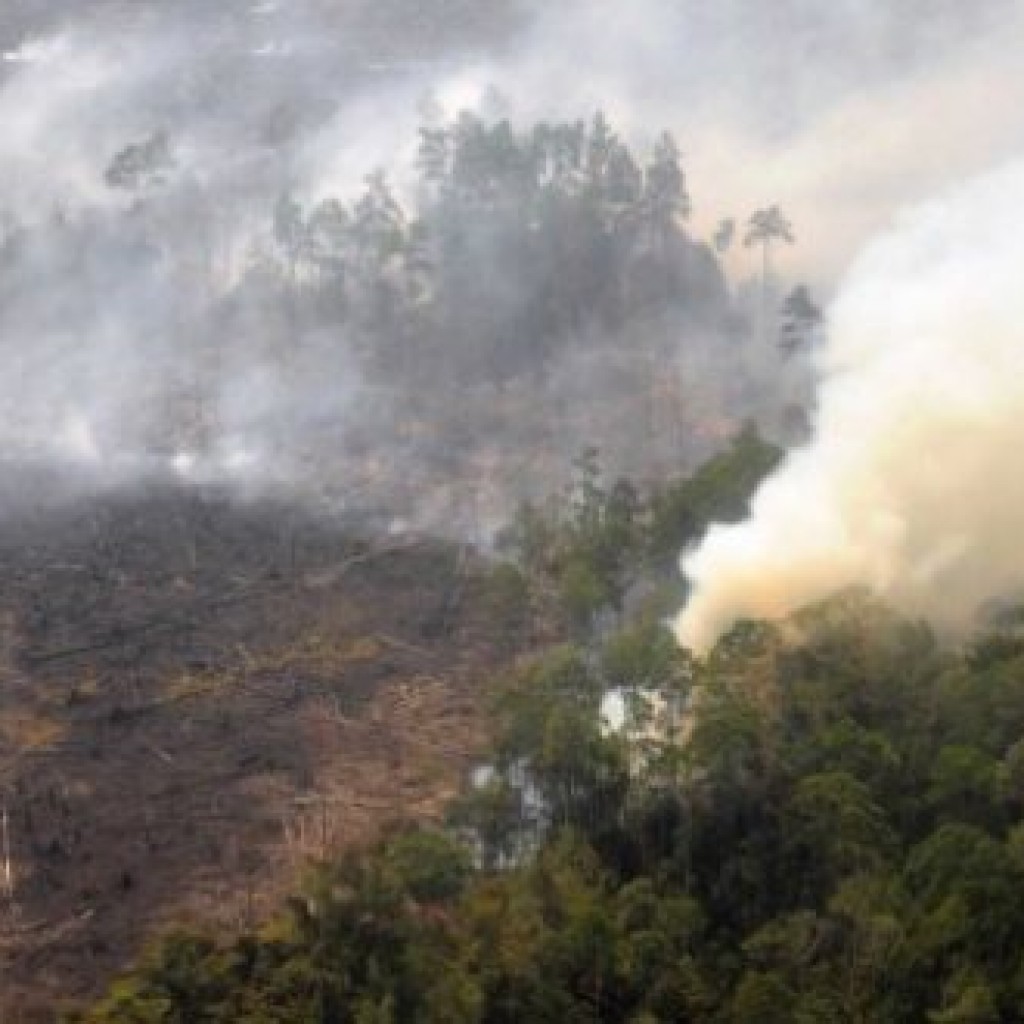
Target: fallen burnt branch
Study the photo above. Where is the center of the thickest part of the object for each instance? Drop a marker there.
(191, 684)
(122, 634)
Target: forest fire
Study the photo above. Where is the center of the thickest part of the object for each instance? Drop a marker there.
(367, 367)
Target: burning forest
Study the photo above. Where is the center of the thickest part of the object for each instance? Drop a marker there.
(507, 511)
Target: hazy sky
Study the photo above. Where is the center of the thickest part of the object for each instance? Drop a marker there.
(841, 111)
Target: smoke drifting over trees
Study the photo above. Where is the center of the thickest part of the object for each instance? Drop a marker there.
(393, 249)
(571, 280)
(200, 284)
(907, 486)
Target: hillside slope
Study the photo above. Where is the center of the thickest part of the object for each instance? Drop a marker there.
(196, 696)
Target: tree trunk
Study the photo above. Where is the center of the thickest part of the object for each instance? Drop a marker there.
(764, 293)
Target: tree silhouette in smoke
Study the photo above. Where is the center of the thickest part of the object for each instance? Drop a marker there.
(801, 317)
(764, 228)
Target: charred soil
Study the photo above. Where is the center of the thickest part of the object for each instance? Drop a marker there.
(199, 695)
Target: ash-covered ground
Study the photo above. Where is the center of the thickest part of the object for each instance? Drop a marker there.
(197, 689)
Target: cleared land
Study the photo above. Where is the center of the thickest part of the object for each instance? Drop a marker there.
(195, 691)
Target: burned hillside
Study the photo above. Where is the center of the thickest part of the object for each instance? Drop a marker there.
(197, 691)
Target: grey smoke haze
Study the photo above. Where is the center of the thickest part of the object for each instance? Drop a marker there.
(842, 111)
(115, 305)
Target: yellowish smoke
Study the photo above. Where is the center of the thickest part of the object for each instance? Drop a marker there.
(913, 483)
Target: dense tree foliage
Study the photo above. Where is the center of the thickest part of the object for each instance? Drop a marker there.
(821, 821)
(590, 548)
(518, 241)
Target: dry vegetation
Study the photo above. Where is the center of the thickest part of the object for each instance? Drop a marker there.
(196, 701)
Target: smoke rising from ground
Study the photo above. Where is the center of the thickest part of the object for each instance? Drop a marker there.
(909, 486)
(129, 314)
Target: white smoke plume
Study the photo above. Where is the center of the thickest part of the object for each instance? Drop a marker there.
(911, 484)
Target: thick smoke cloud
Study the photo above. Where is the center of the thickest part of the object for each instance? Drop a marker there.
(124, 310)
(909, 486)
